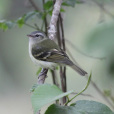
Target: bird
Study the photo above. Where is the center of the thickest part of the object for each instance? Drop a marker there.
(45, 53)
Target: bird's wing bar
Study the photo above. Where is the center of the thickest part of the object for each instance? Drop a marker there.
(55, 56)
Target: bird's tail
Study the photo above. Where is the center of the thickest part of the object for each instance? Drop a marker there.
(79, 70)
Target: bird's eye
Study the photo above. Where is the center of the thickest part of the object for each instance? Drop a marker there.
(37, 35)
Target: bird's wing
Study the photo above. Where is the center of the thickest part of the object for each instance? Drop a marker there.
(53, 55)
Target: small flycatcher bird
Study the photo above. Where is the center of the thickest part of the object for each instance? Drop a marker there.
(45, 53)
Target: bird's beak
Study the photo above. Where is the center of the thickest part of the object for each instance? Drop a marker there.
(29, 35)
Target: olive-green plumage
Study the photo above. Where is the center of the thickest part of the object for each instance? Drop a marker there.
(46, 53)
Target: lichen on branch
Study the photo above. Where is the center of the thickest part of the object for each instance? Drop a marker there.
(54, 18)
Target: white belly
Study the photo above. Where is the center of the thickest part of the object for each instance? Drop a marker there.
(42, 64)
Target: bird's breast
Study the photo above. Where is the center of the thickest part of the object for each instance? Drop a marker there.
(43, 64)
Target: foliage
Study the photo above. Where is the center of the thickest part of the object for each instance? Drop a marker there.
(39, 70)
(48, 6)
(80, 107)
(20, 21)
(69, 3)
(6, 24)
(89, 79)
(44, 94)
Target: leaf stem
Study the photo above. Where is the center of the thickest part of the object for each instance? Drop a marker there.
(89, 79)
(30, 26)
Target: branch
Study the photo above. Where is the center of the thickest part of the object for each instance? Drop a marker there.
(54, 78)
(103, 8)
(64, 48)
(54, 18)
(34, 5)
(78, 50)
(62, 31)
(45, 19)
(30, 26)
(60, 37)
(101, 93)
(42, 76)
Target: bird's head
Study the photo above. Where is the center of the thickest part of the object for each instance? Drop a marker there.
(37, 36)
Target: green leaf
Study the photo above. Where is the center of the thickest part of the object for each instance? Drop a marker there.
(3, 26)
(44, 15)
(69, 3)
(80, 1)
(34, 87)
(65, 4)
(45, 94)
(10, 24)
(38, 72)
(50, 12)
(28, 16)
(88, 82)
(21, 21)
(48, 5)
(31, 15)
(107, 93)
(80, 107)
(62, 10)
(6, 24)
(57, 67)
(101, 39)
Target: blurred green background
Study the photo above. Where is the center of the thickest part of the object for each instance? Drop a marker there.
(86, 26)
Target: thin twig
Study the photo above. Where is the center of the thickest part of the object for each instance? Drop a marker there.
(61, 77)
(88, 82)
(54, 78)
(102, 16)
(42, 25)
(64, 48)
(61, 72)
(63, 82)
(62, 31)
(87, 95)
(78, 50)
(45, 19)
(34, 5)
(36, 26)
(30, 26)
(101, 93)
(58, 34)
(103, 8)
